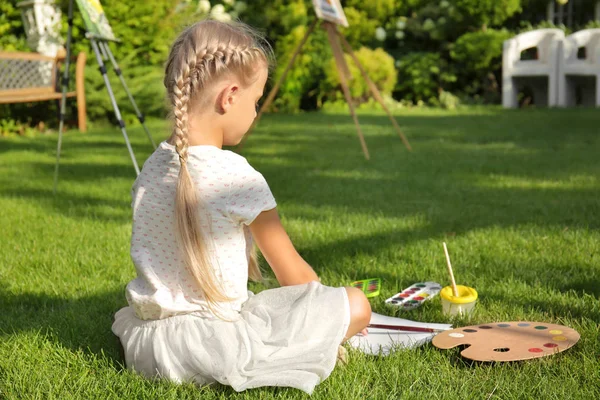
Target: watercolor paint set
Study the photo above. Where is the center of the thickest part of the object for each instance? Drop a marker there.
(415, 295)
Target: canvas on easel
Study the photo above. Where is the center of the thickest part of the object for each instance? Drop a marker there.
(330, 14)
(99, 33)
(330, 10)
(95, 20)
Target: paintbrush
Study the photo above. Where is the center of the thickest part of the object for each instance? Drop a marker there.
(408, 328)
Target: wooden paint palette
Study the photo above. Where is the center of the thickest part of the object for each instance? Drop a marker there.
(508, 341)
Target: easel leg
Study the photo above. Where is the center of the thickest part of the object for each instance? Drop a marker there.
(114, 103)
(275, 89)
(80, 90)
(374, 89)
(336, 49)
(63, 100)
(106, 53)
(335, 45)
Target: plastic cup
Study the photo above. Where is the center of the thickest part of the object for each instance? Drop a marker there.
(461, 304)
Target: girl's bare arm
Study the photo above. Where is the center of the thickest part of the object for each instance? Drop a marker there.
(277, 248)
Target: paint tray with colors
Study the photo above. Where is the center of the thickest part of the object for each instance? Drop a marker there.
(370, 287)
(415, 295)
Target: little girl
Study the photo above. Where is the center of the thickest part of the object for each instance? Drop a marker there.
(196, 208)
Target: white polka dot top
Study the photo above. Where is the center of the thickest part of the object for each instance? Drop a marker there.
(233, 194)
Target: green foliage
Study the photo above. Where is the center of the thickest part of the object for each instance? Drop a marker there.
(421, 76)
(12, 35)
(526, 26)
(288, 22)
(479, 50)
(10, 128)
(145, 29)
(481, 13)
(431, 27)
(448, 100)
(480, 56)
(378, 64)
(362, 28)
(145, 83)
(379, 10)
(468, 51)
(301, 84)
(363, 18)
(592, 25)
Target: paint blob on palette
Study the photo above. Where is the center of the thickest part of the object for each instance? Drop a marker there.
(413, 296)
(508, 341)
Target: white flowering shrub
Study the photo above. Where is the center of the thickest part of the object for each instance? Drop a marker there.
(221, 10)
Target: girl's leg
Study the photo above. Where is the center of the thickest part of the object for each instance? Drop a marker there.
(360, 311)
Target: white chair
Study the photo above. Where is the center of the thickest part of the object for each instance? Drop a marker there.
(573, 69)
(541, 74)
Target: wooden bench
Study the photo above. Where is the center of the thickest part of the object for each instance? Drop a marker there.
(31, 77)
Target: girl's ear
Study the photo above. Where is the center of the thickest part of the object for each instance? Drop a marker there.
(228, 97)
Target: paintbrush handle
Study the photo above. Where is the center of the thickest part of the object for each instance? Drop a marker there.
(454, 288)
(405, 328)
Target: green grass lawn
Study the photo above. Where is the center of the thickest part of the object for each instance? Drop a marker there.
(515, 194)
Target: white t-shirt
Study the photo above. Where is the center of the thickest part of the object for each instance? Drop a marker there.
(233, 194)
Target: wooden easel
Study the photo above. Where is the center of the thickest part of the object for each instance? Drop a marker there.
(334, 37)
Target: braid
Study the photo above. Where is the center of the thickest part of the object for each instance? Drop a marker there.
(181, 100)
(211, 61)
(200, 55)
(208, 61)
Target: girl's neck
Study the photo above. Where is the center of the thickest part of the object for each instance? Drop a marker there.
(202, 132)
(203, 138)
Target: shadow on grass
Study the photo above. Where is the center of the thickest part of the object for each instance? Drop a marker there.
(76, 323)
(76, 205)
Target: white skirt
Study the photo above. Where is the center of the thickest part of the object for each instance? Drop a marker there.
(287, 336)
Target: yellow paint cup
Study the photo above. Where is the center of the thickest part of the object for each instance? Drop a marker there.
(461, 304)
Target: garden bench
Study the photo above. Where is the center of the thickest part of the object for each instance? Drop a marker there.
(30, 77)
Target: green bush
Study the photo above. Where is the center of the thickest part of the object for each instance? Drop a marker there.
(145, 83)
(448, 100)
(145, 29)
(479, 55)
(285, 23)
(379, 10)
(421, 76)
(361, 29)
(12, 34)
(300, 88)
(480, 50)
(378, 65)
(484, 13)
(10, 128)
(364, 17)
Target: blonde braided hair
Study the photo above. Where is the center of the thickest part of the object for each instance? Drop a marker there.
(201, 54)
